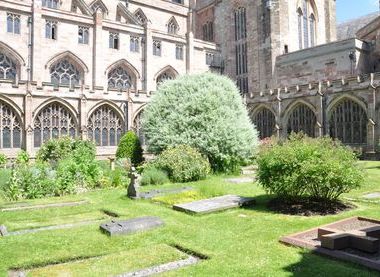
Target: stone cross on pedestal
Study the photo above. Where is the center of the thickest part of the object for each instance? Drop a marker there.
(366, 240)
(134, 185)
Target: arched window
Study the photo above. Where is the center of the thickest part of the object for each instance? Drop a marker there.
(140, 16)
(265, 122)
(53, 121)
(137, 126)
(119, 78)
(300, 15)
(10, 127)
(105, 126)
(305, 24)
(302, 119)
(7, 68)
(164, 77)
(65, 73)
(312, 30)
(348, 122)
(173, 26)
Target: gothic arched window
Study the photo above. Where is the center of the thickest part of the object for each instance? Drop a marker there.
(348, 122)
(265, 122)
(7, 68)
(105, 126)
(65, 73)
(306, 24)
(119, 78)
(164, 77)
(10, 127)
(302, 119)
(312, 30)
(53, 121)
(173, 27)
(299, 14)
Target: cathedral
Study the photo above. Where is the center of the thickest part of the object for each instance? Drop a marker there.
(87, 68)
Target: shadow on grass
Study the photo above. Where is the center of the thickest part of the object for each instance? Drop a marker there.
(261, 204)
(313, 264)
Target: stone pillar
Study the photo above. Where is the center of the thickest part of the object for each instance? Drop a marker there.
(28, 122)
(98, 59)
(371, 132)
(83, 117)
(149, 84)
(37, 57)
(190, 43)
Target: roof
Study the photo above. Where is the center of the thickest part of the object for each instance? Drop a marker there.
(349, 28)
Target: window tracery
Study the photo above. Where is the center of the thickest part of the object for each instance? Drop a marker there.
(119, 78)
(265, 122)
(65, 73)
(10, 127)
(7, 68)
(302, 119)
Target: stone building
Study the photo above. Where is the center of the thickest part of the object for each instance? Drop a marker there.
(87, 67)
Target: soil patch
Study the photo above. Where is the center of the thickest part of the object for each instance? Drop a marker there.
(308, 207)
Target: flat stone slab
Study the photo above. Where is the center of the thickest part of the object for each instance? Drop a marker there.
(214, 204)
(124, 227)
(44, 206)
(159, 192)
(241, 180)
(373, 195)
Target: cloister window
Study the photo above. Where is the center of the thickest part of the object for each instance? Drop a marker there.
(134, 45)
(10, 127)
(179, 52)
(241, 57)
(52, 4)
(105, 126)
(164, 77)
(65, 73)
(137, 126)
(348, 122)
(302, 119)
(7, 68)
(119, 78)
(13, 23)
(265, 122)
(83, 35)
(114, 40)
(306, 24)
(156, 48)
(53, 121)
(51, 29)
(173, 26)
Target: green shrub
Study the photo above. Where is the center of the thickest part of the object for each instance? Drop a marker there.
(130, 147)
(183, 164)
(3, 160)
(154, 176)
(206, 112)
(319, 168)
(22, 157)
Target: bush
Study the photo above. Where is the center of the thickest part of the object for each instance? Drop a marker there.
(22, 157)
(130, 147)
(3, 160)
(183, 164)
(319, 168)
(154, 176)
(206, 112)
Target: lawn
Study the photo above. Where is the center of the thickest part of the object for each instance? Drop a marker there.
(238, 242)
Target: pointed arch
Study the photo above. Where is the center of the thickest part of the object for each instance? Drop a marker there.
(301, 117)
(53, 119)
(137, 124)
(128, 16)
(9, 51)
(82, 6)
(264, 119)
(117, 109)
(167, 69)
(173, 26)
(140, 16)
(348, 120)
(70, 55)
(58, 100)
(122, 75)
(105, 125)
(98, 4)
(11, 125)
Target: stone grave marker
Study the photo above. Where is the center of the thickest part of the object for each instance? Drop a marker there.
(373, 195)
(3, 231)
(134, 185)
(214, 204)
(44, 206)
(158, 192)
(124, 227)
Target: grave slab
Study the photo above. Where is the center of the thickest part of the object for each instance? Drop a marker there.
(354, 239)
(153, 193)
(43, 206)
(214, 204)
(372, 195)
(3, 231)
(241, 180)
(124, 227)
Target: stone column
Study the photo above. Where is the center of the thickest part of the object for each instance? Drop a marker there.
(28, 122)
(38, 28)
(371, 132)
(83, 117)
(149, 84)
(190, 43)
(98, 59)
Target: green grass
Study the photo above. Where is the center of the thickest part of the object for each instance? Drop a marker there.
(239, 242)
